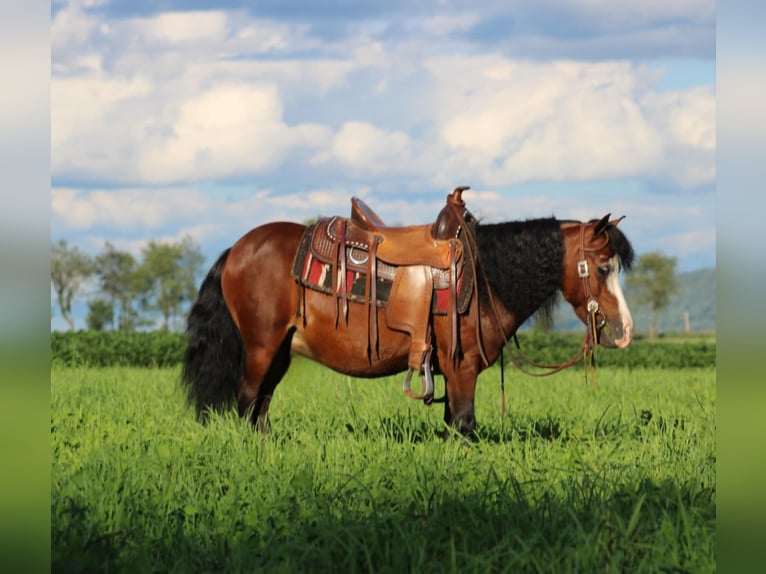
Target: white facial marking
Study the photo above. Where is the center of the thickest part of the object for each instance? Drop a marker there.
(614, 287)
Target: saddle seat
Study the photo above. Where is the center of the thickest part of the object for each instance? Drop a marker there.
(446, 225)
(410, 245)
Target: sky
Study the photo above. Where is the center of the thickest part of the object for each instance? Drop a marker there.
(209, 118)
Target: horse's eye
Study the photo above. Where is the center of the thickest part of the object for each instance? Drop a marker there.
(604, 270)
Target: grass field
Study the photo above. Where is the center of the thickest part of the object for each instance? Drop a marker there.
(354, 477)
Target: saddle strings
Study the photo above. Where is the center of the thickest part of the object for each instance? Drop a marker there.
(371, 297)
(339, 268)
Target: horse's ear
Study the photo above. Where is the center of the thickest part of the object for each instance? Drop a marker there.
(601, 225)
(616, 222)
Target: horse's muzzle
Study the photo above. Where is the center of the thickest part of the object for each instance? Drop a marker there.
(615, 334)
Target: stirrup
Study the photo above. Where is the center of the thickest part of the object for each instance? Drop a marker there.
(428, 384)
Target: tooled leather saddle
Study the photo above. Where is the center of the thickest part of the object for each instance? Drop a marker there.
(414, 272)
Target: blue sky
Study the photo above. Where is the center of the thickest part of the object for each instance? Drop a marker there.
(209, 118)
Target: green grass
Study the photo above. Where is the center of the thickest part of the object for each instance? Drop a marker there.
(672, 337)
(354, 478)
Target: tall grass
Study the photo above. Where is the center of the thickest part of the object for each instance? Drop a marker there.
(354, 477)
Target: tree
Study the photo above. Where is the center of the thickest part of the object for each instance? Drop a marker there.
(100, 314)
(70, 268)
(167, 277)
(653, 282)
(192, 262)
(312, 220)
(117, 282)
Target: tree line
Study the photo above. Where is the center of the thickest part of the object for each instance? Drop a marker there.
(124, 292)
(129, 294)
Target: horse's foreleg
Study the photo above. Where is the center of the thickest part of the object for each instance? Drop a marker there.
(448, 418)
(459, 403)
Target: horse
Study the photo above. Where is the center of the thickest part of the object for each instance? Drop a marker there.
(251, 315)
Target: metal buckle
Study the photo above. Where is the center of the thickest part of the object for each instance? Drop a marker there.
(360, 261)
(582, 269)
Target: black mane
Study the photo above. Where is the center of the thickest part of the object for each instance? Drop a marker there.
(523, 262)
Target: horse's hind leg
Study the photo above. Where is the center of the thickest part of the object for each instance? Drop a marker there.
(264, 368)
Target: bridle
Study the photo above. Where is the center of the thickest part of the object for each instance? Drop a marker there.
(596, 318)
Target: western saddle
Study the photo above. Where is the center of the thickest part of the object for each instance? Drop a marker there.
(415, 259)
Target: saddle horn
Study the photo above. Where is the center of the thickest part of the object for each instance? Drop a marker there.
(456, 196)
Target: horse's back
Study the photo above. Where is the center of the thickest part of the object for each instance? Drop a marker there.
(271, 240)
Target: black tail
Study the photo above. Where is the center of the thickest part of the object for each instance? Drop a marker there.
(214, 359)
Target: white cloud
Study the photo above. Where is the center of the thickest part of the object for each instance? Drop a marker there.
(227, 130)
(91, 133)
(687, 120)
(445, 24)
(117, 130)
(183, 27)
(199, 213)
(73, 32)
(179, 97)
(689, 115)
(691, 242)
(368, 148)
(646, 12)
(142, 208)
(159, 105)
(71, 27)
(505, 122)
(514, 121)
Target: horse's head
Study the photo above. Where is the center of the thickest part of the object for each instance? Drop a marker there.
(594, 253)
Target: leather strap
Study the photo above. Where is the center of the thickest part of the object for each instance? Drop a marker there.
(452, 305)
(338, 257)
(343, 279)
(472, 251)
(371, 298)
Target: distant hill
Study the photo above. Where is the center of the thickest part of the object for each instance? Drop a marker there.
(696, 295)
